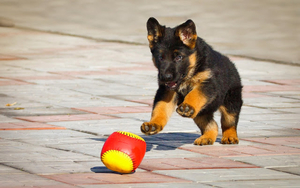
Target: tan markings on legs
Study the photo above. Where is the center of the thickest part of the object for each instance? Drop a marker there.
(228, 127)
(160, 114)
(192, 104)
(209, 129)
(195, 100)
(164, 109)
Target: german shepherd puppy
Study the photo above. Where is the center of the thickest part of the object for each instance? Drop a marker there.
(195, 77)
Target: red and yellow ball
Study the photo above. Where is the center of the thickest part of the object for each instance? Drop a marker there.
(123, 152)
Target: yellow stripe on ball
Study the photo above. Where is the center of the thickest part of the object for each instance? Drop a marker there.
(117, 161)
(131, 135)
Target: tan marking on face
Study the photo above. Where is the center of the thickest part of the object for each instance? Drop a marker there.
(150, 38)
(176, 51)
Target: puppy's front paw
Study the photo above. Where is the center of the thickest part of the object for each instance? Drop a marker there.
(185, 110)
(149, 128)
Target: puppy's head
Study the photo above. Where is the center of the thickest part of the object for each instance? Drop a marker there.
(173, 51)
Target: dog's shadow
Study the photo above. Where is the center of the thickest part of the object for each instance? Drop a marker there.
(162, 141)
(169, 141)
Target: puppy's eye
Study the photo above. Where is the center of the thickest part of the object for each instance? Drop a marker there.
(178, 58)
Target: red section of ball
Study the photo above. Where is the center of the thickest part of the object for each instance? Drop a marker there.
(133, 147)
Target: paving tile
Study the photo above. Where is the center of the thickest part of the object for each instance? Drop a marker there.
(44, 77)
(256, 111)
(269, 88)
(258, 183)
(116, 109)
(79, 117)
(16, 158)
(28, 126)
(285, 82)
(276, 149)
(284, 124)
(4, 57)
(41, 135)
(191, 163)
(5, 119)
(274, 105)
(155, 151)
(144, 101)
(20, 179)
(7, 170)
(273, 161)
(218, 151)
(91, 149)
(290, 110)
(288, 94)
(103, 127)
(88, 73)
(291, 170)
(71, 138)
(283, 97)
(276, 141)
(284, 132)
(270, 117)
(139, 68)
(54, 166)
(149, 185)
(8, 147)
(38, 109)
(252, 95)
(255, 150)
(112, 178)
(13, 82)
(228, 175)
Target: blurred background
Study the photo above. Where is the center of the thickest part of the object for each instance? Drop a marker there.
(263, 29)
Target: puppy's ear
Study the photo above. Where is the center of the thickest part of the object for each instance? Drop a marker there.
(155, 31)
(187, 33)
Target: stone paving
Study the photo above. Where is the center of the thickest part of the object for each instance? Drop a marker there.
(62, 96)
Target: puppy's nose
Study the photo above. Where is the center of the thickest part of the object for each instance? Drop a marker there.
(166, 77)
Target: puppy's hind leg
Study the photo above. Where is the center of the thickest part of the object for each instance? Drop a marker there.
(209, 129)
(230, 111)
